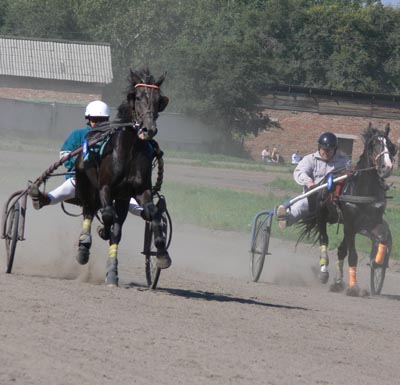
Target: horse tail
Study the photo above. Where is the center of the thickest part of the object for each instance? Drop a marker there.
(309, 229)
(309, 226)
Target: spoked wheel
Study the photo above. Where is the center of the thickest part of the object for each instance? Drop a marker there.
(11, 235)
(378, 271)
(150, 251)
(259, 246)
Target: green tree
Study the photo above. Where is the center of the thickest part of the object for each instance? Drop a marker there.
(49, 19)
(221, 54)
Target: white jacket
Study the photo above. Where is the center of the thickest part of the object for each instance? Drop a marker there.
(312, 168)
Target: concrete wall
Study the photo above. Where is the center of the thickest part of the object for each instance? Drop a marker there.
(56, 120)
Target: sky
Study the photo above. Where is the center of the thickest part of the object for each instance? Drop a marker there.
(395, 3)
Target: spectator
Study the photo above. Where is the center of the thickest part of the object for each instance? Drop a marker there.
(275, 157)
(265, 155)
(296, 157)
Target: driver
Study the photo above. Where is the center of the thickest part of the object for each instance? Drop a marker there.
(96, 113)
(311, 171)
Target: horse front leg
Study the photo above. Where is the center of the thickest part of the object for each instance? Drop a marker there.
(338, 285)
(353, 289)
(324, 257)
(119, 216)
(107, 213)
(380, 236)
(85, 238)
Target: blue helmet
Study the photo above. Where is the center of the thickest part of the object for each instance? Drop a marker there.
(328, 140)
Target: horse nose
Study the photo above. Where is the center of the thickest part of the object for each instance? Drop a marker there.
(147, 131)
(152, 128)
(386, 169)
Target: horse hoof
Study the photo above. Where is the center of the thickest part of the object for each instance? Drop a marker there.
(163, 261)
(323, 276)
(112, 279)
(353, 291)
(83, 255)
(102, 233)
(337, 287)
(364, 293)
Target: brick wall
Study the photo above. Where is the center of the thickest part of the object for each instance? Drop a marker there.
(301, 130)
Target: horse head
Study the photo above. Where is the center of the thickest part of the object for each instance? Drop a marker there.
(380, 150)
(145, 101)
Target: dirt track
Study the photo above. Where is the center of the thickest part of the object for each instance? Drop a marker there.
(207, 324)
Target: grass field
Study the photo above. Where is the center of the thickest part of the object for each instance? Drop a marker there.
(231, 210)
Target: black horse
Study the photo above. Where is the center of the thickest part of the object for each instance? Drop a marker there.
(123, 170)
(358, 203)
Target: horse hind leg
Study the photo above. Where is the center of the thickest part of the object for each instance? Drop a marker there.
(85, 241)
(324, 257)
(338, 284)
(118, 216)
(163, 258)
(153, 213)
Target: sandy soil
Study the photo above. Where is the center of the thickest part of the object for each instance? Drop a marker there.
(207, 324)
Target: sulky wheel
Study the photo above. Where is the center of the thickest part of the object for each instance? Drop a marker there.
(259, 247)
(11, 235)
(378, 271)
(150, 251)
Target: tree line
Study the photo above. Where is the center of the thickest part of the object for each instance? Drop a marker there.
(221, 54)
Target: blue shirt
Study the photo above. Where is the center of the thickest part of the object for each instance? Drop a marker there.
(74, 141)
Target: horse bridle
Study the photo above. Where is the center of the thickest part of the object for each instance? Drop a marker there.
(382, 139)
(384, 169)
(139, 117)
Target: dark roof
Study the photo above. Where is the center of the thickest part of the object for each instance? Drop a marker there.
(57, 60)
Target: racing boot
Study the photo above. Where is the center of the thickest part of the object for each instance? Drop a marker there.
(323, 265)
(281, 216)
(39, 199)
(338, 284)
(112, 272)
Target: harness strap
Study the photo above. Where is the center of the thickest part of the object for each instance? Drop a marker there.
(357, 199)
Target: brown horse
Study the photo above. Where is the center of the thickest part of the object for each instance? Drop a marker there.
(123, 170)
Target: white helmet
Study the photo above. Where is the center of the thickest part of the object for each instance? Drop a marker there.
(97, 109)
